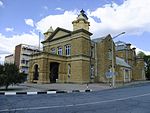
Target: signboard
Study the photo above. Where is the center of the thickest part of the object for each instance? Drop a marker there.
(109, 74)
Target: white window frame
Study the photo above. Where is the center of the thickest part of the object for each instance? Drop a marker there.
(68, 49)
(60, 51)
(53, 50)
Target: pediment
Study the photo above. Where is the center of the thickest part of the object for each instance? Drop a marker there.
(58, 33)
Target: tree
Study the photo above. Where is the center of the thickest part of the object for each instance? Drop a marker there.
(9, 74)
(141, 54)
(147, 61)
(1, 69)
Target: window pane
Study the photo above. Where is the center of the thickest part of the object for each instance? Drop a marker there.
(53, 50)
(59, 50)
(68, 50)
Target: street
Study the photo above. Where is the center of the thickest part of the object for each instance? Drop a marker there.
(135, 99)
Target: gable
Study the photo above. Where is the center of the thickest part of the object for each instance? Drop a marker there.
(59, 34)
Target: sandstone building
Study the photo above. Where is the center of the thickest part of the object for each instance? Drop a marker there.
(124, 51)
(72, 57)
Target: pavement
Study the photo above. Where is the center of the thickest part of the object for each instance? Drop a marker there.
(59, 87)
(31, 87)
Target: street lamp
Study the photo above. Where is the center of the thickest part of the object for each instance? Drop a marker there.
(113, 68)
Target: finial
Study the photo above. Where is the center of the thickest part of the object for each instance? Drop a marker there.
(82, 15)
(50, 29)
(82, 11)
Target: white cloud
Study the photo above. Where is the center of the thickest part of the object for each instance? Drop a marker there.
(63, 20)
(9, 29)
(29, 22)
(1, 3)
(59, 9)
(9, 43)
(140, 50)
(132, 16)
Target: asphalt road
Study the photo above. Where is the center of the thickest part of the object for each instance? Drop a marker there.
(122, 100)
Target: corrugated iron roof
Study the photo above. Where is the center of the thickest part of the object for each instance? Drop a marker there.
(121, 62)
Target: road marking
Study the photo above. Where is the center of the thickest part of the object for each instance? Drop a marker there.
(51, 92)
(31, 93)
(10, 93)
(74, 105)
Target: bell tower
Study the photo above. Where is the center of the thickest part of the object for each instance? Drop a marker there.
(81, 22)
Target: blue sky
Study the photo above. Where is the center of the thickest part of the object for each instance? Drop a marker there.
(21, 20)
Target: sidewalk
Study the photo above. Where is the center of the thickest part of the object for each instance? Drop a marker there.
(68, 87)
(31, 87)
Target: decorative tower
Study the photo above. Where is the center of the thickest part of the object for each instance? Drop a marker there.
(81, 49)
(81, 22)
(48, 33)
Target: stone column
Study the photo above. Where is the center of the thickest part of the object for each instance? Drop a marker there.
(43, 71)
(129, 75)
(124, 80)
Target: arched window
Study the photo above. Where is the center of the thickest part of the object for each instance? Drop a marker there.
(36, 72)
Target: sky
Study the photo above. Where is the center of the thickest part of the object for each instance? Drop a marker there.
(22, 20)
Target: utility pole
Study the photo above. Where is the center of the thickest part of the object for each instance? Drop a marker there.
(39, 39)
(113, 55)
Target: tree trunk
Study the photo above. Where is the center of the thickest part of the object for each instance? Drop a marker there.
(6, 87)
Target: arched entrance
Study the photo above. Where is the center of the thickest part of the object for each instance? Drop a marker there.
(36, 72)
(54, 68)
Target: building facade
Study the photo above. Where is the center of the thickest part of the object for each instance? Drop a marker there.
(124, 51)
(72, 57)
(22, 56)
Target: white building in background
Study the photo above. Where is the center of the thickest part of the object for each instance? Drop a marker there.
(21, 56)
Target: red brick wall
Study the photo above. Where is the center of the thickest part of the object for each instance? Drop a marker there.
(17, 55)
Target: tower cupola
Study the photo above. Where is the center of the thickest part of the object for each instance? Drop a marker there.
(81, 22)
(49, 32)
